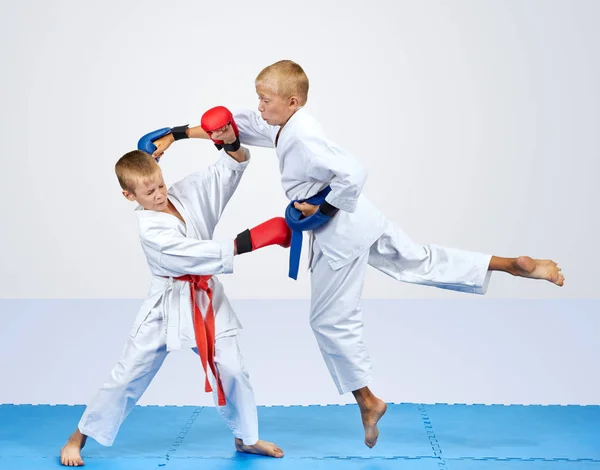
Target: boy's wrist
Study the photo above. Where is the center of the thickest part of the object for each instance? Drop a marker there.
(233, 146)
(197, 133)
(239, 155)
(328, 209)
(180, 132)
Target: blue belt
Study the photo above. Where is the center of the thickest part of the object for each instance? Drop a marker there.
(298, 223)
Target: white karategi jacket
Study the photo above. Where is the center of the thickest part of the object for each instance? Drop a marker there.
(173, 249)
(308, 162)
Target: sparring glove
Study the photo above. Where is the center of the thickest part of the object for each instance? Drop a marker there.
(274, 231)
(146, 143)
(215, 119)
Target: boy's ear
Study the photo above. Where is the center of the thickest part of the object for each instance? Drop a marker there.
(128, 195)
(294, 102)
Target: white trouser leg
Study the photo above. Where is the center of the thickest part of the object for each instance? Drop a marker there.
(336, 320)
(140, 360)
(240, 411)
(396, 255)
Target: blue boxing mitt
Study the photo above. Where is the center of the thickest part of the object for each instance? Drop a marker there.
(146, 143)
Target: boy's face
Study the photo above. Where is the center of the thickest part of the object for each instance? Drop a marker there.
(150, 192)
(273, 108)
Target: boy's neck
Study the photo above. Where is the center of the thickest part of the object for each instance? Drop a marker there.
(290, 117)
(169, 208)
(172, 210)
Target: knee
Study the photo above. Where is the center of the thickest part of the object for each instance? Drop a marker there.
(232, 370)
(122, 374)
(133, 370)
(327, 328)
(320, 323)
(346, 314)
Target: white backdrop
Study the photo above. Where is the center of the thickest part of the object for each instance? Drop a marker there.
(542, 351)
(478, 122)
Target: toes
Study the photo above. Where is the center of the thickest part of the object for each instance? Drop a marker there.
(276, 451)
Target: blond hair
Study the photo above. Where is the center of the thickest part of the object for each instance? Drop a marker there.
(286, 78)
(132, 166)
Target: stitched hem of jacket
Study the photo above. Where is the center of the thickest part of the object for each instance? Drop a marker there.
(344, 204)
(231, 163)
(340, 263)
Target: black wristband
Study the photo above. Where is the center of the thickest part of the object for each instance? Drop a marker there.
(179, 132)
(327, 209)
(243, 242)
(232, 147)
(219, 146)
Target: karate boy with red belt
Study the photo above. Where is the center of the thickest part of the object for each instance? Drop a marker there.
(186, 306)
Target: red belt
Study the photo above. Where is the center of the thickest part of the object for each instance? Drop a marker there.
(204, 329)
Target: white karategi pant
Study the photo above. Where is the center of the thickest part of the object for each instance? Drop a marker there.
(141, 359)
(336, 316)
(357, 235)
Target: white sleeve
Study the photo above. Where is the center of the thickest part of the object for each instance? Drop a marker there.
(329, 163)
(254, 130)
(210, 190)
(171, 254)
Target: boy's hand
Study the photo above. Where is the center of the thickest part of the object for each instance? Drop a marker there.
(225, 133)
(163, 144)
(306, 208)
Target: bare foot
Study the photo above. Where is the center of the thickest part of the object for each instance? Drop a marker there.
(70, 454)
(539, 269)
(261, 448)
(371, 412)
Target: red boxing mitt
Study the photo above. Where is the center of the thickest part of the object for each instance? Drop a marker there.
(215, 119)
(274, 231)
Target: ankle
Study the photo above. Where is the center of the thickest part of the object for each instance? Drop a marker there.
(507, 265)
(78, 438)
(364, 397)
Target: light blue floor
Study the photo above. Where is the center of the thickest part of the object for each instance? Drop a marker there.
(412, 436)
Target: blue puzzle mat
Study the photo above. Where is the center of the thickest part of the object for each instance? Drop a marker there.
(412, 436)
(565, 432)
